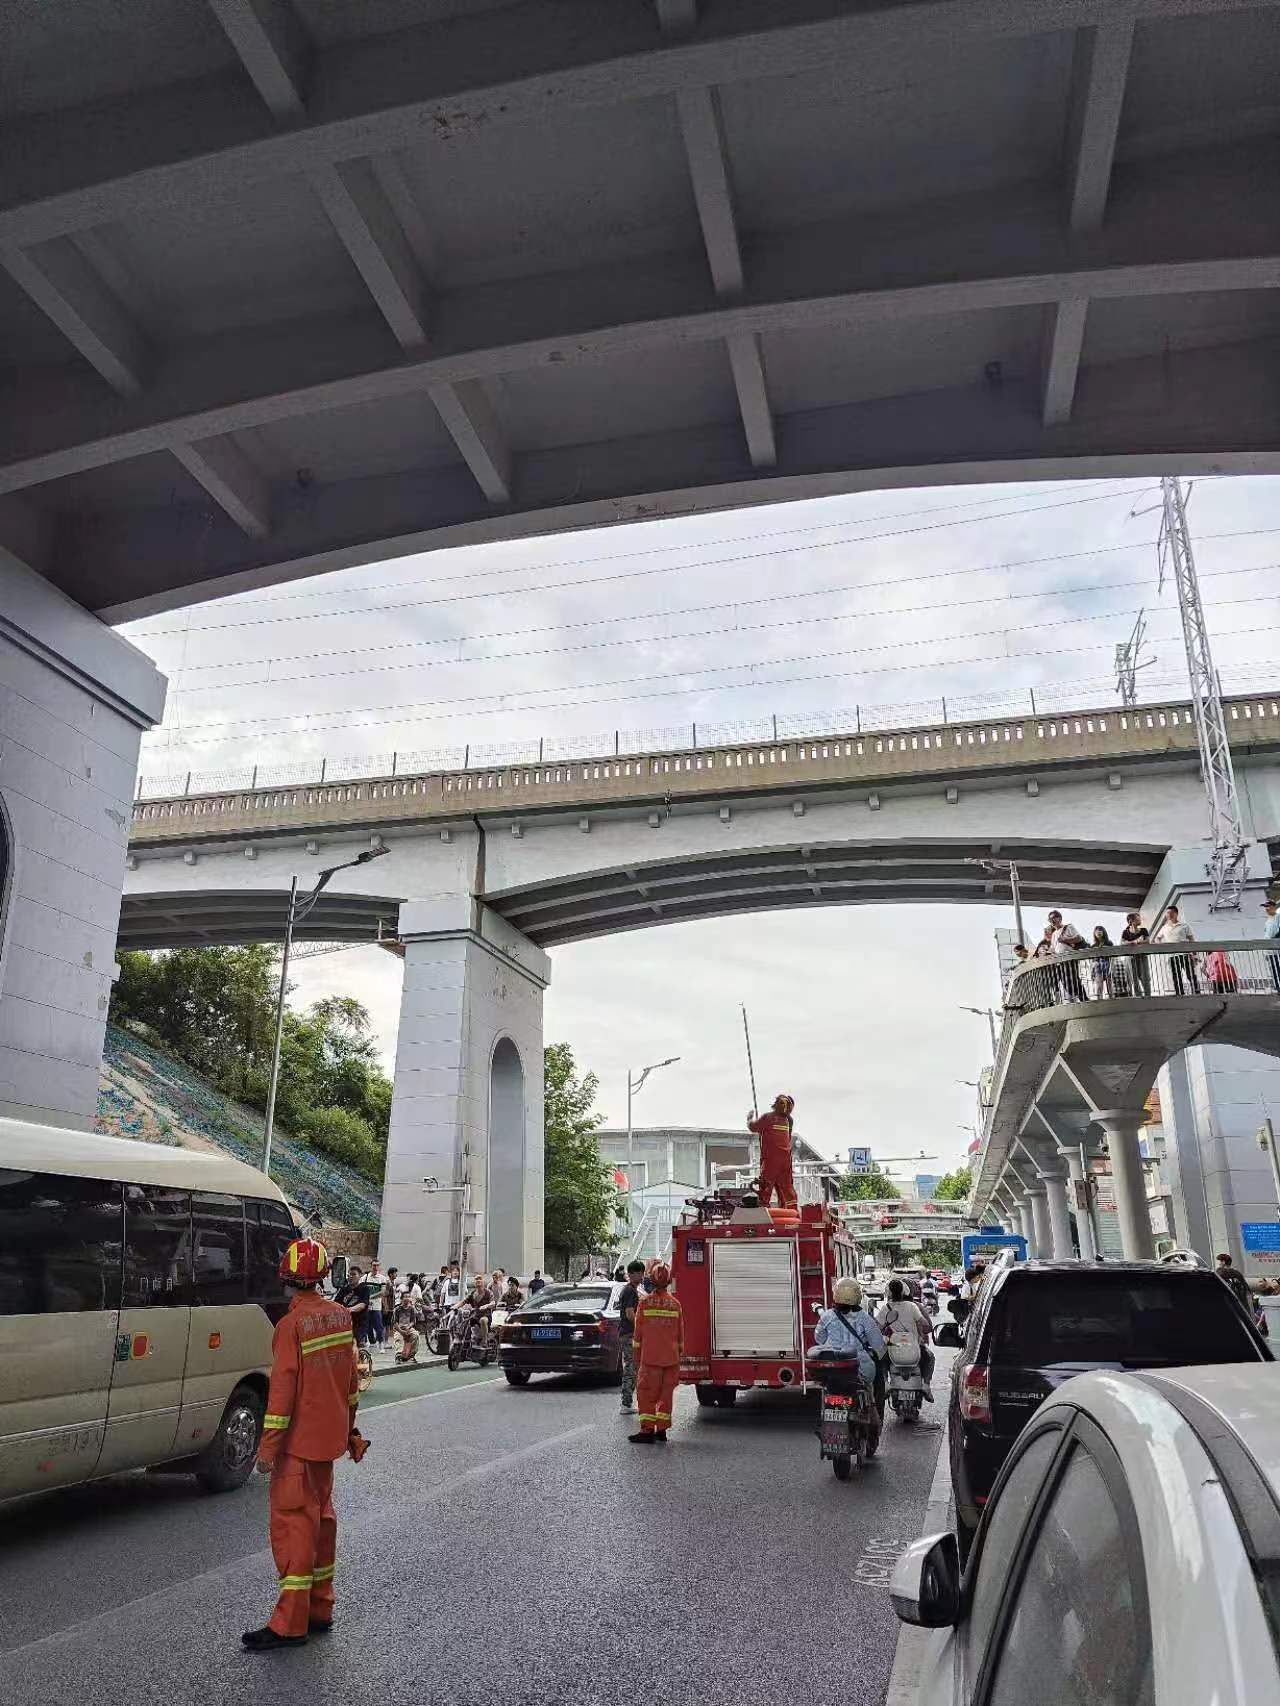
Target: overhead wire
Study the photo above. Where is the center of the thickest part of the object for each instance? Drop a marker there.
(533, 698)
(460, 640)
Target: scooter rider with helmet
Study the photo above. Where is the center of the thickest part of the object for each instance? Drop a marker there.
(899, 1315)
(847, 1330)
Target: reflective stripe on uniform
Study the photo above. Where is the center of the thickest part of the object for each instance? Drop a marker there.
(653, 1314)
(294, 1584)
(271, 1423)
(354, 1399)
(323, 1573)
(326, 1342)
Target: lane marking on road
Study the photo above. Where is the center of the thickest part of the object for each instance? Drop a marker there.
(235, 1568)
(913, 1643)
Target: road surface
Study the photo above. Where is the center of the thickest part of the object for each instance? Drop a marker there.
(496, 1545)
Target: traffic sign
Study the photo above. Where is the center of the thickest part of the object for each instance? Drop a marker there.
(1260, 1236)
(860, 1161)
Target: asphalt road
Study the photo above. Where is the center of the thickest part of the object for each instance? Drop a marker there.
(496, 1545)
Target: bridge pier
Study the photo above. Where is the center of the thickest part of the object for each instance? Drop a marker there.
(74, 701)
(1084, 1223)
(1213, 1098)
(467, 1104)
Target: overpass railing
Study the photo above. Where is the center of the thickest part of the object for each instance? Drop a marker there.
(849, 757)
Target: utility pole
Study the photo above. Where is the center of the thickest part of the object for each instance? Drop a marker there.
(1127, 665)
(1226, 866)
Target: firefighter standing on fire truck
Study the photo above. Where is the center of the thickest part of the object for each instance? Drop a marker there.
(658, 1344)
(774, 1131)
(310, 1421)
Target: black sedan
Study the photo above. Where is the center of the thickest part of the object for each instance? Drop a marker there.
(568, 1329)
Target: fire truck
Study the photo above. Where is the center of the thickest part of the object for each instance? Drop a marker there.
(751, 1282)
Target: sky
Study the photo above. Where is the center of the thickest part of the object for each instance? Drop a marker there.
(873, 606)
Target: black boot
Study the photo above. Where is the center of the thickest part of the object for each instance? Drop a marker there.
(642, 1438)
(661, 1437)
(318, 1628)
(265, 1640)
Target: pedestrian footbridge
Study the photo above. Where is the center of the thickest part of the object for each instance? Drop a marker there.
(1074, 1073)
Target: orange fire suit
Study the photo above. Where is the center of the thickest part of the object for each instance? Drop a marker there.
(311, 1407)
(657, 1346)
(774, 1132)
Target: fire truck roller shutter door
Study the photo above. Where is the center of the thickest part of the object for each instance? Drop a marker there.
(753, 1298)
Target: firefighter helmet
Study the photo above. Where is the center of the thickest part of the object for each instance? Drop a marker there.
(789, 1100)
(660, 1275)
(305, 1262)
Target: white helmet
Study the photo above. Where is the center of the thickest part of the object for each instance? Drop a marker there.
(848, 1293)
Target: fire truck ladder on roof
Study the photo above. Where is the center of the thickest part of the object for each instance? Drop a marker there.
(1226, 867)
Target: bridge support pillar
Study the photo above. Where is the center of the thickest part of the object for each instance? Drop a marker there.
(1084, 1220)
(1213, 1098)
(1055, 1188)
(467, 1105)
(1041, 1243)
(1121, 1126)
(74, 701)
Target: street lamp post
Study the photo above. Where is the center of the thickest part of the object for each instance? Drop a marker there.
(988, 1014)
(298, 910)
(1009, 869)
(633, 1089)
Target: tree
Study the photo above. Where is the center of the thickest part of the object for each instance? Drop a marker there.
(580, 1199)
(953, 1187)
(874, 1186)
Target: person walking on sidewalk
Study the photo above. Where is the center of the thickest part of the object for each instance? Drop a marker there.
(310, 1421)
(659, 1344)
(628, 1303)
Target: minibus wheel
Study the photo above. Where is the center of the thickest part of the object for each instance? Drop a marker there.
(227, 1461)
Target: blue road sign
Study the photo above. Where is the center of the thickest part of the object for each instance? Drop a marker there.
(1260, 1235)
(860, 1160)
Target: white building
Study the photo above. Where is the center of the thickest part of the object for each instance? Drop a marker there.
(687, 1155)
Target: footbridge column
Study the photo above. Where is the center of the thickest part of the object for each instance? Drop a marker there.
(1121, 1126)
(467, 1103)
(1079, 1190)
(1055, 1188)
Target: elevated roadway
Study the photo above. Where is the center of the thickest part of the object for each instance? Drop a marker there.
(287, 286)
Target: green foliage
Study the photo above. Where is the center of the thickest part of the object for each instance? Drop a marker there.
(215, 1009)
(953, 1187)
(580, 1199)
(940, 1253)
(866, 1187)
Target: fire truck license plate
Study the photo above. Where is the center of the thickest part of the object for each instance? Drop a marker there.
(546, 1332)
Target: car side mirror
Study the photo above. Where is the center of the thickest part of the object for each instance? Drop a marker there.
(925, 1589)
(961, 1308)
(947, 1333)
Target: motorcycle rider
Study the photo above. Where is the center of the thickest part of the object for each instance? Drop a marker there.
(899, 1316)
(929, 1294)
(847, 1330)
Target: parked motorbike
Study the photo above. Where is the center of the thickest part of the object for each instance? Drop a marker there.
(849, 1425)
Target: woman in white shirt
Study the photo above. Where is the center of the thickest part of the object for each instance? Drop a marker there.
(898, 1317)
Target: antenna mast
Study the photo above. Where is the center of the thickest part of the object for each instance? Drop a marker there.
(1226, 867)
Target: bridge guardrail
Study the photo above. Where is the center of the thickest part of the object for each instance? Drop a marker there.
(867, 756)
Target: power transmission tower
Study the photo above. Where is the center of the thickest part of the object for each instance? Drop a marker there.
(1226, 867)
(1127, 665)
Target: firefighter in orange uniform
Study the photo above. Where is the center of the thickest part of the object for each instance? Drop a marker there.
(774, 1131)
(658, 1344)
(310, 1421)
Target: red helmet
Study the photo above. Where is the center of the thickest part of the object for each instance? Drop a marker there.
(660, 1275)
(305, 1262)
(789, 1100)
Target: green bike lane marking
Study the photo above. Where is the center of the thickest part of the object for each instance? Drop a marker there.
(422, 1383)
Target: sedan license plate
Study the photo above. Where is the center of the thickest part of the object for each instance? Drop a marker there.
(545, 1332)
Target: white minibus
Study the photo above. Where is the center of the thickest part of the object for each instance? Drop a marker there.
(138, 1291)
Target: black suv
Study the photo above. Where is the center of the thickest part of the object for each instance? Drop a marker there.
(1035, 1324)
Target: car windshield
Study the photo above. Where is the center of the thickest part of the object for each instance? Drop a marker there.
(1139, 1320)
(572, 1301)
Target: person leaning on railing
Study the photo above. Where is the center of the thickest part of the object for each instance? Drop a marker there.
(1271, 930)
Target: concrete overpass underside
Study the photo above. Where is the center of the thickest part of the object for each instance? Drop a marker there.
(288, 285)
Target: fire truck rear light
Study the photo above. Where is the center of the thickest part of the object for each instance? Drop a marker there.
(975, 1395)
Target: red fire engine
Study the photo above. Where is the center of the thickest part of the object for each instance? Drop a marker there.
(751, 1282)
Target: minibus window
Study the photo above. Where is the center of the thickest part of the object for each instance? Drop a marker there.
(60, 1243)
(157, 1254)
(217, 1232)
(270, 1228)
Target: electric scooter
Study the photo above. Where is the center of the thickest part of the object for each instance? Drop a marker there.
(849, 1426)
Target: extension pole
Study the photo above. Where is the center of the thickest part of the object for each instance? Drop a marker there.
(746, 1031)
